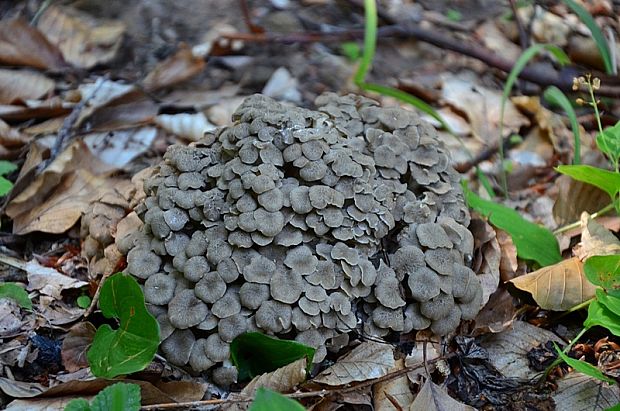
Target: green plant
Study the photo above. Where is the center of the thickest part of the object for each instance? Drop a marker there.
(255, 353)
(116, 397)
(131, 347)
(597, 34)
(351, 50)
(6, 167)
(16, 293)
(83, 301)
(267, 400)
(555, 96)
(454, 15)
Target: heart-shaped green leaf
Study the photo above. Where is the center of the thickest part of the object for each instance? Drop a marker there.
(116, 397)
(255, 353)
(267, 400)
(604, 271)
(133, 345)
(600, 315)
(607, 181)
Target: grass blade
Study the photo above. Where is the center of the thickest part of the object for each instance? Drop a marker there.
(555, 96)
(597, 34)
(370, 41)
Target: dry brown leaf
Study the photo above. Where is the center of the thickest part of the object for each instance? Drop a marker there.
(508, 264)
(398, 390)
(126, 110)
(177, 68)
(284, 379)
(75, 345)
(578, 391)
(19, 85)
(557, 287)
(595, 239)
(59, 212)
(119, 147)
(33, 109)
(487, 256)
(23, 45)
(575, 197)
(367, 361)
(433, 398)
(83, 40)
(497, 315)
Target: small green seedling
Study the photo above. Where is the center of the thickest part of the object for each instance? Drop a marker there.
(116, 397)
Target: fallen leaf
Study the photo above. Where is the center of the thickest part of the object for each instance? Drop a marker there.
(487, 256)
(23, 45)
(284, 379)
(575, 197)
(118, 148)
(125, 110)
(188, 126)
(221, 113)
(432, 398)
(557, 287)
(508, 264)
(595, 239)
(19, 85)
(83, 40)
(75, 345)
(282, 86)
(43, 404)
(497, 314)
(179, 67)
(200, 99)
(495, 40)
(367, 361)
(397, 390)
(508, 349)
(481, 105)
(33, 109)
(578, 391)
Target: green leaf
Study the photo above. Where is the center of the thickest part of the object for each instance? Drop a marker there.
(370, 41)
(598, 314)
(533, 242)
(83, 301)
(6, 167)
(5, 186)
(133, 345)
(267, 400)
(583, 367)
(607, 181)
(555, 96)
(609, 142)
(255, 353)
(454, 15)
(608, 301)
(597, 34)
(604, 271)
(520, 64)
(78, 404)
(117, 397)
(17, 293)
(351, 50)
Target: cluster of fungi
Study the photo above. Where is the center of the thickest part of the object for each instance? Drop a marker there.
(306, 225)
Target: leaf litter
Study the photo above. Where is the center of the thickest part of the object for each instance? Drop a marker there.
(172, 92)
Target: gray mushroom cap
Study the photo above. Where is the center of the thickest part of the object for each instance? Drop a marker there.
(143, 263)
(186, 310)
(178, 347)
(159, 289)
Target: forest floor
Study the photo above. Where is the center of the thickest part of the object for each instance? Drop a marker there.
(160, 72)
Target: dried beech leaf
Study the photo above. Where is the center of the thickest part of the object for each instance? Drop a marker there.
(65, 206)
(508, 350)
(595, 239)
(432, 398)
(575, 197)
(75, 345)
(83, 40)
(487, 256)
(189, 126)
(497, 315)
(578, 391)
(177, 68)
(557, 287)
(384, 393)
(24, 45)
(284, 379)
(19, 85)
(32, 109)
(119, 147)
(367, 361)
(508, 262)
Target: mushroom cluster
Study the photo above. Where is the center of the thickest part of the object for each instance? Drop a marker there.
(304, 224)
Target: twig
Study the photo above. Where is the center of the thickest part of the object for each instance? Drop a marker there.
(523, 37)
(245, 10)
(320, 393)
(93, 303)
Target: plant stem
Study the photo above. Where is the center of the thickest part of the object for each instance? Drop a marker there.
(370, 41)
(576, 224)
(558, 360)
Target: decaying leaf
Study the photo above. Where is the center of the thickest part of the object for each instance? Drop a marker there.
(578, 391)
(508, 349)
(83, 40)
(19, 85)
(177, 68)
(432, 398)
(23, 45)
(388, 392)
(284, 379)
(75, 345)
(487, 256)
(189, 126)
(508, 264)
(366, 361)
(497, 315)
(557, 287)
(119, 147)
(595, 239)
(575, 197)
